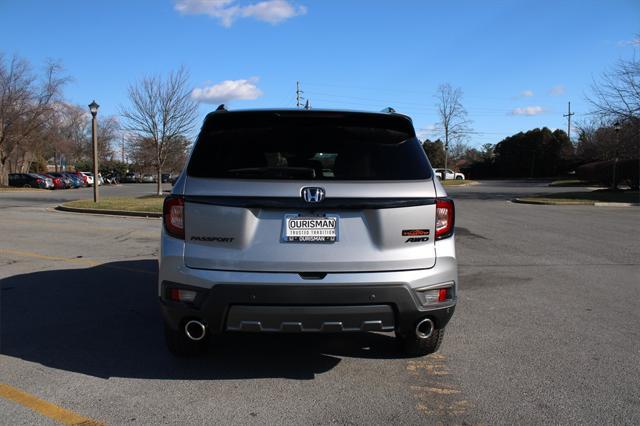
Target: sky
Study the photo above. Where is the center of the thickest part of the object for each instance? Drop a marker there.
(518, 63)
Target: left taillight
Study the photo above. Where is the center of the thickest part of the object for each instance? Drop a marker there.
(173, 216)
(445, 218)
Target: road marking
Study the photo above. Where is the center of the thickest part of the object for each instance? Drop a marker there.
(86, 227)
(87, 262)
(45, 257)
(436, 395)
(59, 414)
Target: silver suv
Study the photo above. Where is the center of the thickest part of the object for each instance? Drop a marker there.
(307, 221)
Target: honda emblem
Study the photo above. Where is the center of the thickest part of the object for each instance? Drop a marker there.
(312, 194)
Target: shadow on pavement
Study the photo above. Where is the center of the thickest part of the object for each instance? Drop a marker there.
(105, 322)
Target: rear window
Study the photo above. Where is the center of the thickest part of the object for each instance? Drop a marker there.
(308, 146)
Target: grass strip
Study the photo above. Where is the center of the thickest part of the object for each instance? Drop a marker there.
(456, 182)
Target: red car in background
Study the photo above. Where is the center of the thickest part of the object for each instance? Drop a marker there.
(58, 183)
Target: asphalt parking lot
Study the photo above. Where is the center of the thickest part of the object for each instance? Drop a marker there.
(547, 328)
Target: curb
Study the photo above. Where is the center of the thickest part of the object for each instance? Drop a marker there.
(550, 203)
(603, 204)
(108, 212)
(572, 203)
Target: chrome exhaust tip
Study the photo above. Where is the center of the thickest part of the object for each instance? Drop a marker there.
(424, 328)
(195, 330)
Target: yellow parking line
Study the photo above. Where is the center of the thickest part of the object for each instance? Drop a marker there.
(45, 408)
(87, 262)
(45, 257)
(88, 228)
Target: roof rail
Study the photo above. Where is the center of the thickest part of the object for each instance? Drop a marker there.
(221, 107)
(389, 110)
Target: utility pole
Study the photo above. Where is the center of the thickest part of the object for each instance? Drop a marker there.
(568, 115)
(299, 93)
(122, 146)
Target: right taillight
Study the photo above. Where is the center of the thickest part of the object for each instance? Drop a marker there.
(173, 216)
(445, 217)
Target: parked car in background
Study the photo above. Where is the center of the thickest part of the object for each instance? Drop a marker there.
(149, 179)
(29, 180)
(112, 179)
(91, 178)
(76, 181)
(80, 176)
(58, 182)
(47, 180)
(88, 178)
(448, 174)
(131, 178)
(66, 180)
(166, 177)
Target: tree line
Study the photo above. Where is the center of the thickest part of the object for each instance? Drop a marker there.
(608, 136)
(38, 126)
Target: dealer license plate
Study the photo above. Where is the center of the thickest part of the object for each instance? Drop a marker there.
(310, 229)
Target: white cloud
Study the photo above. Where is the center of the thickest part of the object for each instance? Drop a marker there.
(632, 42)
(426, 132)
(526, 93)
(227, 11)
(273, 11)
(557, 90)
(227, 90)
(529, 110)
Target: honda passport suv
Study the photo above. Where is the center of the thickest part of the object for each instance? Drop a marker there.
(307, 221)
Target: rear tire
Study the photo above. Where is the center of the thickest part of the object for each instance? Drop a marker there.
(414, 346)
(26, 185)
(180, 345)
(459, 178)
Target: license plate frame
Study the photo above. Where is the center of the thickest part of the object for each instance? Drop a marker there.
(288, 234)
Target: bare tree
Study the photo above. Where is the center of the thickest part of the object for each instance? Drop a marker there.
(160, 111)
(616, 96)
(615, 129)
(141, 152)
(25, 106)
(453, 121)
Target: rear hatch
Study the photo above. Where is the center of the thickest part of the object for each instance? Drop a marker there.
(308, 191)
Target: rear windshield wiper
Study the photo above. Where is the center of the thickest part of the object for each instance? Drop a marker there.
(274, 172)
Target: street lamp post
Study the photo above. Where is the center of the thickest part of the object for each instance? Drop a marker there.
(93, 107)
(616, 127)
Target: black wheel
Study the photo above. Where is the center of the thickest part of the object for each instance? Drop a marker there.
(414, 346)
(458, 177)
(26, 185)
(180, 345)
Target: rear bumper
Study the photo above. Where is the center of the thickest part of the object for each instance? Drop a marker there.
(359, 300)
(300, 308)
